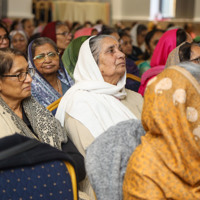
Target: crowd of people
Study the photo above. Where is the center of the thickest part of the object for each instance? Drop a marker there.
(141, 133)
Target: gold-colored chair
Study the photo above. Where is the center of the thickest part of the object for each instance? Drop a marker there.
(133, 77)
(53, 106)
(73, 179)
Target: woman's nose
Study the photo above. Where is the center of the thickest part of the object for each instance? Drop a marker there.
(28, 78)
(121, 54)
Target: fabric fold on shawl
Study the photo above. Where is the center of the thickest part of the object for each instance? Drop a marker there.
(106, 169)
(166, 164)
(45, 126)
(70, 55)
(83, 32)
(133, 33)
(93, 102)
(41, 89)
(173, 58)
(159, 58)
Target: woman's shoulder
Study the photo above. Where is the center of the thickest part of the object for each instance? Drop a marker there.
(134, 102)
(131, 94)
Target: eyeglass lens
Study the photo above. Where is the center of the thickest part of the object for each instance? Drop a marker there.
(41, 58)
(22, 76)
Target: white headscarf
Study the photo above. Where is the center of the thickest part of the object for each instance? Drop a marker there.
(14, 32)
(133, 33)
(92, 101)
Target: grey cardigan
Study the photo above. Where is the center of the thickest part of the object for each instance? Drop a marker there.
(107, 157)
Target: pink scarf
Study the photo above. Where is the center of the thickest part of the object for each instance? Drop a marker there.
(83, 32)
(165, 45)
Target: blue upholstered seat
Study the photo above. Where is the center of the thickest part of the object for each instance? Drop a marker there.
(47, 181)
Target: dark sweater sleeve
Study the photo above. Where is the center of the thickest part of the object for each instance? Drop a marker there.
(76, 157)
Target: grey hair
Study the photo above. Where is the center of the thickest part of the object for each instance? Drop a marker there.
(41, 41)
(193, 68)
(95, 45)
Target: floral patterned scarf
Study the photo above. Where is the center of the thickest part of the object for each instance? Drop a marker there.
(167, 163)
(44, 124)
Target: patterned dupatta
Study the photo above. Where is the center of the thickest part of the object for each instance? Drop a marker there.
(45, 126)
(41, 89)
(167, 163)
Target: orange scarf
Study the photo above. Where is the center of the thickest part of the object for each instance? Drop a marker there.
(167, 163)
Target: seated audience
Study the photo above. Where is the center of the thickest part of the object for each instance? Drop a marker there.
(166, 163)
(19, 41)
(138, 34)
(59, 33)
(70, 55)
(51, 80)
(21, 113)
(169, 40)
(131, 67)
(151, 40)
(4, 37)
(98, 99)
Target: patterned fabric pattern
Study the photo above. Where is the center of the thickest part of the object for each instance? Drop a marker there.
(46, 127)
(167, 163)
(41, 89)
(49, 180)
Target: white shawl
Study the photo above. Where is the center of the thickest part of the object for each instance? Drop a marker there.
(133, 33)
(93, 102)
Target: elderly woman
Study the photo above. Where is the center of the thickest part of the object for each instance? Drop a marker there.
(21, 113)
(19, 41)
(59, 33)
(51, 80)
(98, 99)
(4, 37)
(166, 164)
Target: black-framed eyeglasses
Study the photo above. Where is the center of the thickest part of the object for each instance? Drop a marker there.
(5, 37)
(196, 60)
(65, 33)
(41, 57)
(21, 76)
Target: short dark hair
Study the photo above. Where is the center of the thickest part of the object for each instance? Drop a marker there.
(150, 34)
(5, 29)
(185, 51)
(106, 30)
(23, 21)
(181, 36)
(6, 57)
(41, 41)
(141, 28)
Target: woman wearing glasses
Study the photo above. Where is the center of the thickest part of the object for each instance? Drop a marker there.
(4, 39)
(21, 113)
(51, 80)
(59, 33)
